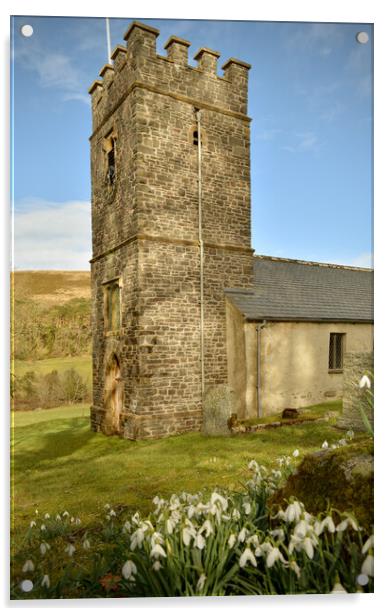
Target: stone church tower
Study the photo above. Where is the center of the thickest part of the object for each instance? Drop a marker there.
(171, 230)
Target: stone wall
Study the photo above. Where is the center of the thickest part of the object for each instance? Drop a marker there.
(146, 226)
(355, 366)
(294, 362)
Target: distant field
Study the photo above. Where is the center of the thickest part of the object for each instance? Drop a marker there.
(58, 463)
(51, 314)
(61, 364)
(47, 287)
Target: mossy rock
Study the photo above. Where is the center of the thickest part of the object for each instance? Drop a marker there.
(342, 478)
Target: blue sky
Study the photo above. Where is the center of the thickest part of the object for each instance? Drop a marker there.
(310, 100)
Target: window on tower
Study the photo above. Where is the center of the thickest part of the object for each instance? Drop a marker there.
(112, 305)
(110, 152)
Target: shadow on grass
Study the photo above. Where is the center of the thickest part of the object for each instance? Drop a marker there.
(52, 445)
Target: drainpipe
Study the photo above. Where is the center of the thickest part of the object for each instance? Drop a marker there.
(258, 331)
(201, 251)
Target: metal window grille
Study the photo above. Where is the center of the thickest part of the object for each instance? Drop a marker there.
(195, 136)
(336, 345)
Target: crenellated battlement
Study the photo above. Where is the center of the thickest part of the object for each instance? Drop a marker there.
(138, 65)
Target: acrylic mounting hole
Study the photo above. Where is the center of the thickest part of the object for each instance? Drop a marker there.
(27, 30)
(27, 585)
(362, 37)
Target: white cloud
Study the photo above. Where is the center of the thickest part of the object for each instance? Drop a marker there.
(268, 134)
(303, 142)
(55, 70)
(49, 235)
(365, 259)
(317, 37)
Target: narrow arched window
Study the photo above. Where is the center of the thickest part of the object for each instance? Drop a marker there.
(195, 137)
(109, 147)
(111, 163)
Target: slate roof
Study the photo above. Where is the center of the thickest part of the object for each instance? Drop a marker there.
(290, 290)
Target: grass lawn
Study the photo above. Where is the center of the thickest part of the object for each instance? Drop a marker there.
(309, 412)
(82, 364)
(58, 463)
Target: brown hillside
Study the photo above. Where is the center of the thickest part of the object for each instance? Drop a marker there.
(51, 287)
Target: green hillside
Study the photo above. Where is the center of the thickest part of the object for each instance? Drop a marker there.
(51, 338)
(50, 314)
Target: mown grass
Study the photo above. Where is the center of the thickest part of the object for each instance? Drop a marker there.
(82, 364)
(58, 463)
(316, 411)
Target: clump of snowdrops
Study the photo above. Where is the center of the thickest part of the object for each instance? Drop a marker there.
(218, 543)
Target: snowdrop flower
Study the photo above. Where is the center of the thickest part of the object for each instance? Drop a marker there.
(127, 527)
(308, 547)
(253, 540)
(107, 506)
(206, 526)
(47, 516)
(137, 539)
(293, 512)
(135, 518)
(278, 533)
(338, 588)
(157, 551)
(342, 442)
(65, 514)
(345, 523)
(188, 533)
(44, 547)
(368, 566)
(296, 453)
(247, 508)
(325, 445)
(43, 527)
(293, 565)
(26, 585)
(242, 534)
(201, 582)
(253, 466)
(191, 511)
(28, 566)
(273, 556)
(217, 498)
(245, 556)
(301, 529)
(58, 517)
(326, 523)
(236, 514)
(33, 523)
(231, 541)
(77, 521)
(264, 548)
(369, 544)
(45, 581)
(365, 382)
(200, 541)
(86, 544)
(156, 565)
(170, 526)
(70, 549)
(129, 570)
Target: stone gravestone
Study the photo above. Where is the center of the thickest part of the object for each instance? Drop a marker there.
(217, 409)
(355, 398)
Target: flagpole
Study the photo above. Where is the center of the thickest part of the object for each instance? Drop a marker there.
(108, 40)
